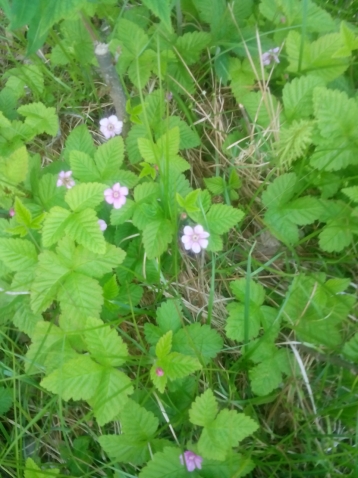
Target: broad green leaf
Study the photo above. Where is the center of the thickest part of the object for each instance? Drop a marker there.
(79, 140)
(123, 449)
(156, 237)
(132, 37)
(80, 297)
(54, 225)
(196, 340)
(83, 166)
(34, 471)
(22, 13)
(235, 324)
(164, 345)
(222, 218)
(215, 185)
(109, 158)
(96, 265)
(256, 291)
(265, 377)
(146, 192)
(235, 464)
(352, 193)
(83, 227)
(165, 464)
(23, 215)
(13, 169)
(49, 349)
(50, 272)
(24, 319)
(190, 45)
(17, 254)
(350, 349)
(87, 195)
(219, 436)
(111, 395)
(104, 344)
(189, 138)
(177, 365)
(242, 77)
(119, 216)
(137, 422)
(162, 9)
(302, 211)
(77, 379)
(281, 226)
(40, 118)
(280, 191)
(261, 110)
(336, 235)
(169, 316)
(204, 410)
(297, 96)
(48, 194)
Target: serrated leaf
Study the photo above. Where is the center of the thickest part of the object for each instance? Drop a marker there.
(204, 410)
(199, 341)
(40, 118)
(13, 169)
(165, 464)
(84, 196)
(79, 140)
(124, 449)
(235, 324)
(34, 471)
(111, 395)
(164, 345)
(54, 225)
(146, 192)
(132, 37)
(350, 349)
(225, 432)
(23, 215)
(177, 365)
(77, 379)
(83, 228)
(280, 191)
(351, 192)
(17, 254)
(156, 237)
(94, 265)
(162, 9)
(48, 194)
(83, 166)
(297, 96)
(24, 319)
(104, 344)
(222, 218)
(281, 226)
(265, 377)
(303, 211)
(215, 185)
(109, 158)
(255, 291)
(80, 297)
(335, 236)
(190, 46)
(169, 316)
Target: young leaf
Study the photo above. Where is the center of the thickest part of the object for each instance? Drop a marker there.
(54, 225)
(104, 344)
(222, 218)
(23, 215)
(17, 254)
(164, 345)
(169, 316)
(77, 379)
(83, 227)
(109, 158)
(83, 166)
(204, 410)
(84, 196)
(40, 118)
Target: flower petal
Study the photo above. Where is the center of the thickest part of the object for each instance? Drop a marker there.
(123, 190)
(188, 231)
(116, 187)
(198, 229)
(196, 247)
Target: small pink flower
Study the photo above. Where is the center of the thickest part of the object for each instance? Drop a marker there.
(270, 56)
(195, 238)
(64, 179)
(111, 126)
(191, 460)
(11, 212)
(102, 224)
(159, 372)
(116, 195)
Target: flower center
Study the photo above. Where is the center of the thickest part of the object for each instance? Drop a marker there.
(116, 194)
(110, 127)
(195, 237)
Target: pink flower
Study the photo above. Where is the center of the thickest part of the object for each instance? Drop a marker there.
(102, 224)
(191, 460)
(11, 212)
(195, 238)
(64, 179)
(111, 126)
(270, 56)
(159, 372)
(116, 195)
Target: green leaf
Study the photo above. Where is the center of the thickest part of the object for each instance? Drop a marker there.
(199, 341)
(176, 365)
(40, 118)
(23, 215)
(50, 272)
(54, 225)
(33, 471)
(137, 422)
(48, 194)
(162, 9)
(156, 237)
(297, 96)
(132, 37)
(280, 191)
(17, 254)
(80, 297)
(190, 45)
(164, 345)
(281, 226)
(6, 399)
(77, 379)
(24, 319)
(123, 449)
(351, 192)
(235, 324)
(256, 291)
(111, 395)
(242, 77)
(104, 344)
(225, 432)
(302, 211)
(146, 192)
(260, 112)
(222, 218)
(94, 265)
(165, 464)
(109, 158)
(22, 13)
(84, 196)
(265, 377)
(83, 227)
(13, 169)
(83, 166)
(204, 410)
(169, 316)
(350, 349)
(79, 140)
(215, 185)
(336, 235)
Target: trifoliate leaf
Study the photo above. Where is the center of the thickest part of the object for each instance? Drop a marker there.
(80, 297)
(219, 436)
(54, 225)
(196, 340)
(104, 344)
(83, 227)
(86, 195)
(204, 410)
(17, 254)
(77, 379)
(109, 158)
(253, 292)
(111, 395)
(222, 218)
(83, 166)
(235, 324)
(40, 118)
